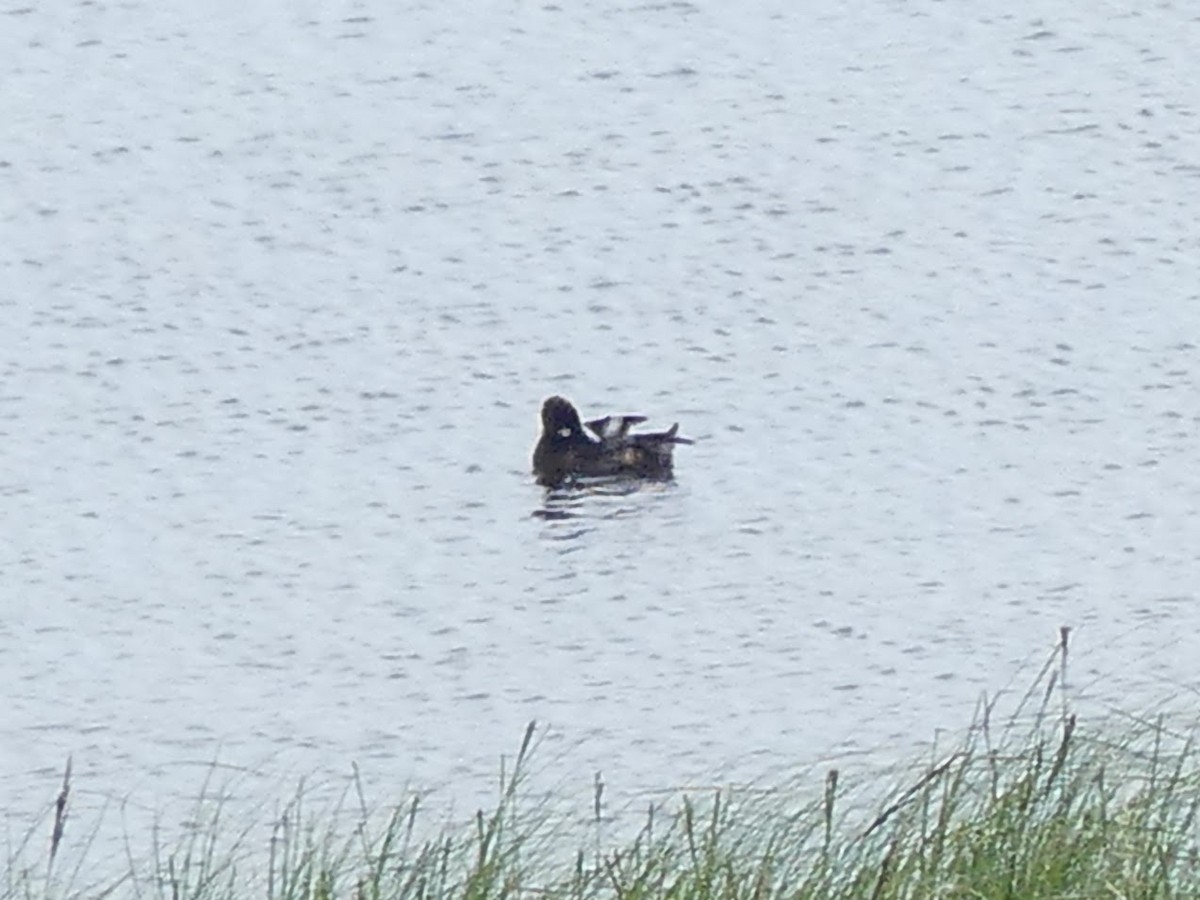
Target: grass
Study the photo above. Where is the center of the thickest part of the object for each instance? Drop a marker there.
(1040, 805)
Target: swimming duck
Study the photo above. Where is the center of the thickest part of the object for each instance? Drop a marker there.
(566, 451)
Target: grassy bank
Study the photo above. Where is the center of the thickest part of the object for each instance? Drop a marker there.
(1039, 805)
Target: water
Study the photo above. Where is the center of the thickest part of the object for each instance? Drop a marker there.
(285, 286)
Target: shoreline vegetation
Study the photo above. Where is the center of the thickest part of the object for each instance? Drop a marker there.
(1036, 805)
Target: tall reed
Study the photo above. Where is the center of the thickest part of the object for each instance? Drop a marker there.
(1036, 803)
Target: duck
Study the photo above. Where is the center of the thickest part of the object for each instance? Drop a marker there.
(566, 451)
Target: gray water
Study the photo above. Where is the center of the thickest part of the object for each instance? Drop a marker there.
(284, 286)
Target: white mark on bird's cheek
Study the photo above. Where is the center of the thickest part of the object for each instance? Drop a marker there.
(564, 432)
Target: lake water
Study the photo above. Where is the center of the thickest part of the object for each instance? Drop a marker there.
(284, 286)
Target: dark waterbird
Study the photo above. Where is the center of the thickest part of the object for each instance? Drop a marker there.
(565, 450)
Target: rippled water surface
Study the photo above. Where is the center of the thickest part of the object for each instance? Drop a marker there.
(284, 286)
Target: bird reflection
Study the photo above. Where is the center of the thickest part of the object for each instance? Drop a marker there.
(575, 510)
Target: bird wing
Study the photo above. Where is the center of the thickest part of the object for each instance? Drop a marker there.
(614, 427)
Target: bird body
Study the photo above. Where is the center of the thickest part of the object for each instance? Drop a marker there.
(566, 451)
